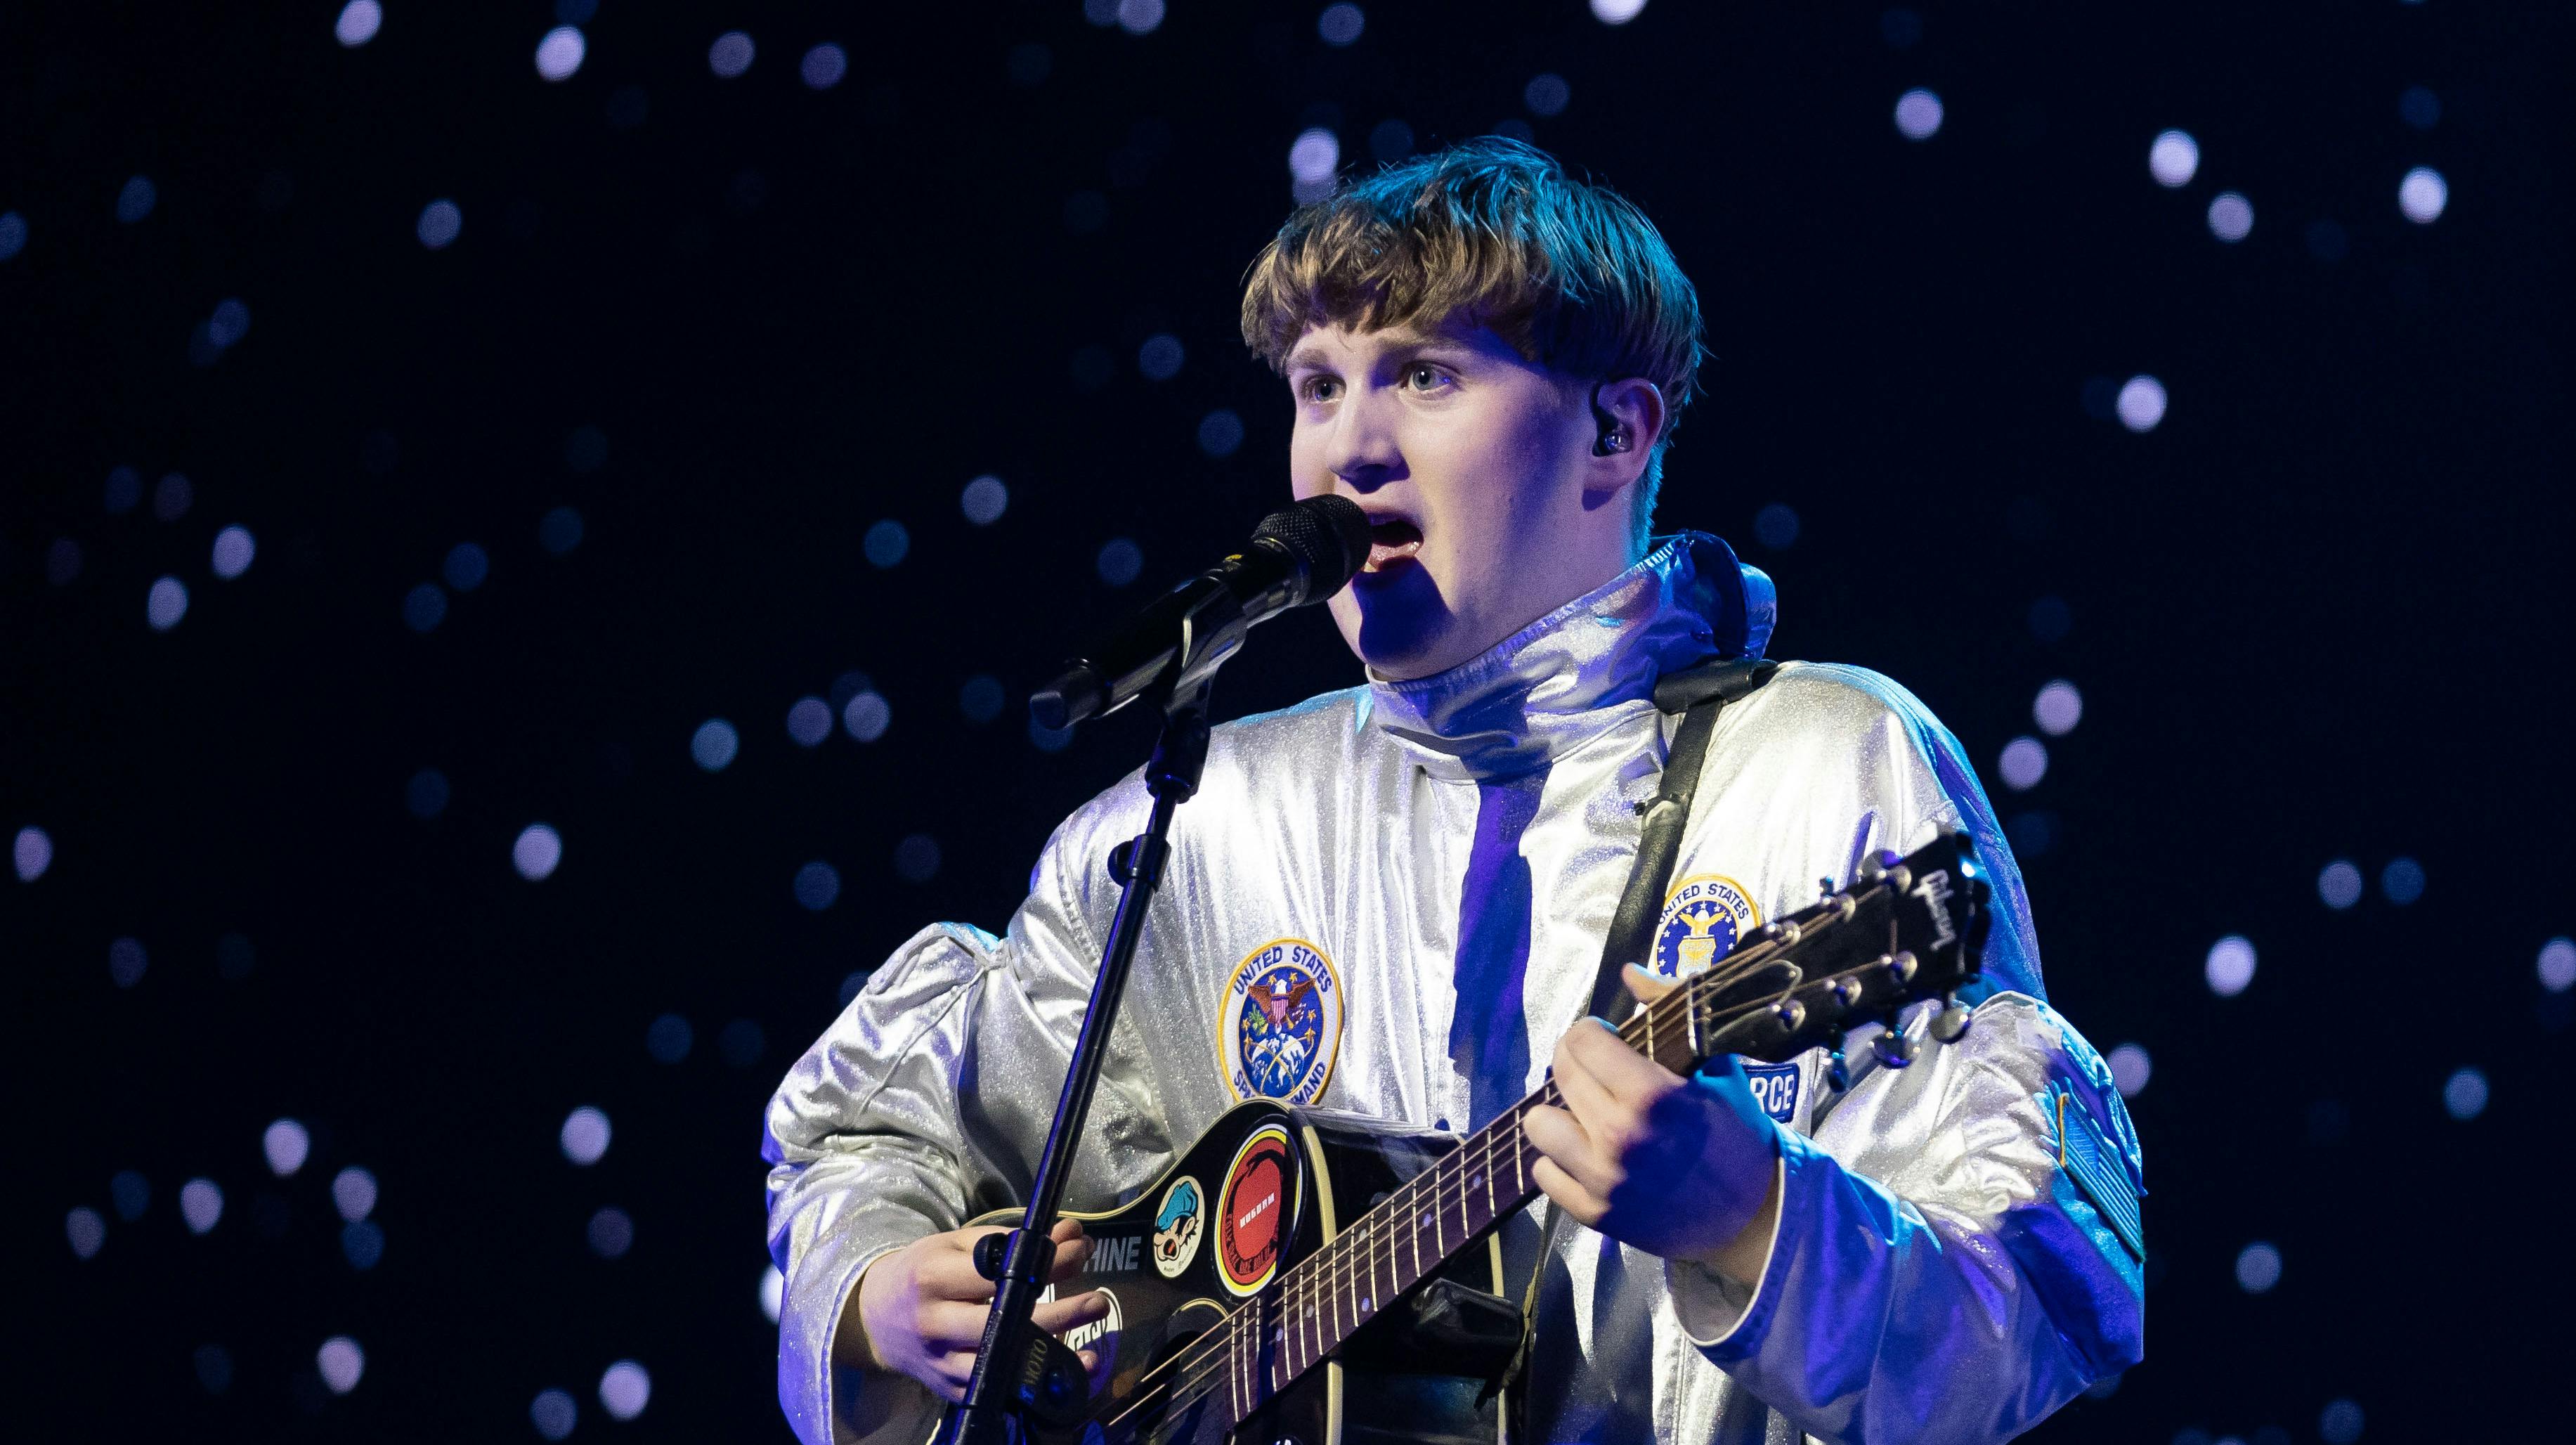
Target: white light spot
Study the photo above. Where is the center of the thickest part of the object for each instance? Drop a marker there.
(1139, 17)
(2258, 1267)
(2023, 763)
(553, 1413)
(167, 604)
(234, 549)
(2230, 966)
(809, 721)
(2174, 158)
(353, 1193)
(585, 1135)
(86, 1229)
(821, 69)
(2464, 1094)
(1616, 12)
(536, 853)
(2558, 965)
(2142, 403)
(2339, 884)
(984, 500)
(287, 1145)
(560, 53)
(2130, 1069)
(714, 744)
(2058, 708)
(773, 1291)
(1314, 155)
(867, 716)
(1340, 24)
(624, 1389)
(1918, 114)
(341, 1363)
(730, 55)
(359, 21)
(2231, 217)
(32, 852)
(440, 221)
(201, 1204)
(2423, 194)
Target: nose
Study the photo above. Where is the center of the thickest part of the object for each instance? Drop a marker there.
(1362, 449)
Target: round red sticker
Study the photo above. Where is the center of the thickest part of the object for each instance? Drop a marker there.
(1251, 1223)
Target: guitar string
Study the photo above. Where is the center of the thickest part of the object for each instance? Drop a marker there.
(1343, 1258)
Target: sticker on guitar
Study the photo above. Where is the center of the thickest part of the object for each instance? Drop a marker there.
(1252, 1211)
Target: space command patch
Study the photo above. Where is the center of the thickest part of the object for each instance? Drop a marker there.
(1775, 1088)
(1703, 918)
(1281, 1023)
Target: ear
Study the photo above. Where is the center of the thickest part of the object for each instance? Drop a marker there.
(1628, 416)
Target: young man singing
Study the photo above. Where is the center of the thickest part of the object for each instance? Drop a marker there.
(1489, 357)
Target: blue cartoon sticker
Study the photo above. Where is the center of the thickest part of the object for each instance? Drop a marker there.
(1704, 917)
(1281, 1025)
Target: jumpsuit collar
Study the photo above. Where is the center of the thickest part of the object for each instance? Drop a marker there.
(1564, 680)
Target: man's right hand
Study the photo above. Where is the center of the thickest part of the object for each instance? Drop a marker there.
(920, 1311)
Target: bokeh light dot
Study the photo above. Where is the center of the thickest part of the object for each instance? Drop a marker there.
(286, 1144)
(2339, 1423)
(86, 1230)
(821, 69)
(2423, 195)
(2058, 708)
(981, 698)
(136, 198)
(353, 1193)
(669, 1039)
(166, 604)
(440, 223)
(2229, 967)
(560, 53)
(984, 500)
(358, 23)
(2023, 763)
(714, 744)
(424, 607)
(2464, 1094)
(2130, 1069)
(1314, 155)
(773, 1292)
(466, 567)
(1160, 357)
(553, 1413)
(809, 721)
(611, 1232)
(341, 1362)
(1547, 94)
(559, 530)
(126, 962)
(2557, 965)
(1918, 114)
(584, 1135)
(867, 716)
(1221, 433)
(2402, 881)
(916, 858)
(13, 234)
(2174, 158)
(426, 794)
(234, 549)
(2142, 403)
(1616, 12)
(817, 884)
(537, 852)
(1776, 526)
(362, 1243)
(2231, 217)
(1119, 562)
(1140, 17)
(2339, 884)
(201, 1205)
(624, 1389)
(886, 543)
(2258, 1267)
(730, 55)
(31, 853)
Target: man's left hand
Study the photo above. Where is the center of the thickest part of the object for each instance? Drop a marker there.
(1683, 1168)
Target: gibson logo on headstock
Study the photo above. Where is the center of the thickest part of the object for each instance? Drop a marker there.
(1934, 889)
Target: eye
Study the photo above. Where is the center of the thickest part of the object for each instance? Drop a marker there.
(1319, 388)
(1423, 376)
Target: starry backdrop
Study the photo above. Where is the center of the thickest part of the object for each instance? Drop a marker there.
(529, 529)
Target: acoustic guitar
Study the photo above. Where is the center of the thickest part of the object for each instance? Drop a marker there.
(1312, 1276)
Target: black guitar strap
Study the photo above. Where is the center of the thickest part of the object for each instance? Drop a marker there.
(1699, 694)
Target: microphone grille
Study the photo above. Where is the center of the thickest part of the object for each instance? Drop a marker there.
(1328, 537)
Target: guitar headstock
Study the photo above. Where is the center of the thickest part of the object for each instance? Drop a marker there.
(1908, 929)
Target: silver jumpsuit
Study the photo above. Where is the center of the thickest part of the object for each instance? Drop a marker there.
(1434, 864)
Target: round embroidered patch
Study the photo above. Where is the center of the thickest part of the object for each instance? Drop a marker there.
(1251, 1220)
(1179, 1223)
(1281, 1024)
(1703, 918)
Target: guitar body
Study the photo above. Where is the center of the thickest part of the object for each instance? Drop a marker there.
(1264, 1188)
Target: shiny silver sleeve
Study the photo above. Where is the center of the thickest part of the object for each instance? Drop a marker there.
(925, 1103)
(1938, 1273)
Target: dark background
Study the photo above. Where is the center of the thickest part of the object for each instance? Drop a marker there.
(2315, 614)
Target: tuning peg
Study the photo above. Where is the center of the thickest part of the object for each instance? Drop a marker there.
(1875, 865)
(1824, 888)
(1790, 1014)
(1894, 1047)
(1900, 966)
(1951, 1024)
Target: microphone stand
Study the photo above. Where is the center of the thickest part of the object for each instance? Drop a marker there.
(1020, 1372)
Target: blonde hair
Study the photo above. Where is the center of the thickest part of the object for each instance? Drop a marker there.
(1493, 233)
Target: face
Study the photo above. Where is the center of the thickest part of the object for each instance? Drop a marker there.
(1487, 504)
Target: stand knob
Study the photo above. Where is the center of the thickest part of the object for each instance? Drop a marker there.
(989, 1252)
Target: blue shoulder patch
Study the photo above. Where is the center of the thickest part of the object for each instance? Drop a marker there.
(1775, 1088)
(2097, 1166)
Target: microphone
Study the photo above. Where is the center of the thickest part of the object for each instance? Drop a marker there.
(1298, 555)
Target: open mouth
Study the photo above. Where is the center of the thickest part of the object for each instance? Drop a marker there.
(1392, 540)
